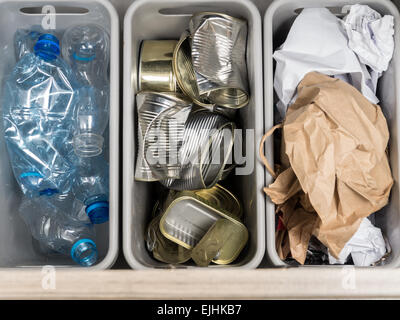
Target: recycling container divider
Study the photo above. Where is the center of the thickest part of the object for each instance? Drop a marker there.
(158, 19)
(278, 20)
(16, 246)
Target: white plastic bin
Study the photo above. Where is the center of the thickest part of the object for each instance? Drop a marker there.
(16, 246)
(277, 22)
(158, 19)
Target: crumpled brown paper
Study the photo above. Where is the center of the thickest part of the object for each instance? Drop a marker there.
(299, 224)
(335, 140)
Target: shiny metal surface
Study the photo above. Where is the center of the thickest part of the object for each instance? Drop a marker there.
(162, 118)
(162, 248)
(221, 244)
(207, 144)
(187, 220)
(221, 198)
(189, 216)
(218, 54)
(155, 66)
(184, 72)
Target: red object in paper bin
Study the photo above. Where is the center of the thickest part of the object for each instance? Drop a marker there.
(280, 226)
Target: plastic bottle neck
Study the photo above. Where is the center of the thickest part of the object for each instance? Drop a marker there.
(84, 252)
(47, 47)
(88, 144)
(83, 58)
(97, 209)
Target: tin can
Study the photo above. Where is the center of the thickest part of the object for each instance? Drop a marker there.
(184, 72)
(222, 243)
(163, 249)
(222, 198)
(218, 54)
(190, 214)
(162, 118)
(155, 66)
(207, 145)
(186, 78)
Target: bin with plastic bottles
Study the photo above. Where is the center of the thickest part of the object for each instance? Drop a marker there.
(55, 106)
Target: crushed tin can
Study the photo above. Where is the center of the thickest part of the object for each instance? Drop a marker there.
(222, 243)
(218, 56)
(164, 250)
(228, 113)
(162, 118)
(186, 78)
(206, 149)
(183, 150)
(184, 72)
(155, 66)
(220, 197)
(189, 216)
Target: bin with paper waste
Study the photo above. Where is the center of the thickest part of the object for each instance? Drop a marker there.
(332, 175)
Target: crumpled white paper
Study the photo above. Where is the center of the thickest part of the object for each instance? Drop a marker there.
(366, 247)
(370, 36)
(317, 41)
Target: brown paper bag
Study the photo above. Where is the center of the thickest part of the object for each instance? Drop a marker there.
(335, 140)
(299, 225)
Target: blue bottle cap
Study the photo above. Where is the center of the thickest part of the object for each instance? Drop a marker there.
(84, 252)
(98, 211)
(47, 47)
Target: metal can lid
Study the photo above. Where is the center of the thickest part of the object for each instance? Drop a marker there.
(222, 243)
(163, 249)
(189, 215)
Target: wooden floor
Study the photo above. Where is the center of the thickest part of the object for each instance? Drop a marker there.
(202, 284)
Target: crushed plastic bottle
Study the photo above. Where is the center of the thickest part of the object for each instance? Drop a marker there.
(55, 230)
(86, 49)
(25, 40)
(91, 187)
(38, 115)
(91, 122)
(70, 205)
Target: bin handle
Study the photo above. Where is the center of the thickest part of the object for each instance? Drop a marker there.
(261, 150)
(62, 9)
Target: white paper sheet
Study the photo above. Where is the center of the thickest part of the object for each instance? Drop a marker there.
(366, 246)
(370, 36)
(318, 42)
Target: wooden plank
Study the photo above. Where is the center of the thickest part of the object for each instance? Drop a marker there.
(202, 284)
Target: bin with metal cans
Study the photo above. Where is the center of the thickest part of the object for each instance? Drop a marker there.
(204, 225)
(230, 92)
